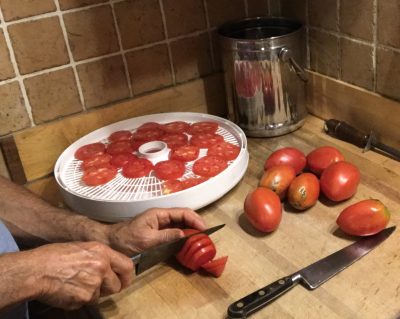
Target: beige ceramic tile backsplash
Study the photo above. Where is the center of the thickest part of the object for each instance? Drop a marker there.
(61, 57)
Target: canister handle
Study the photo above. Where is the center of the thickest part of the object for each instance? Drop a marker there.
(286, 56)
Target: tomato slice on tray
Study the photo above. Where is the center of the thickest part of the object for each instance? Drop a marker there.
(120, 136)
(209, 166)
(216, 266)
(175, 140)
(148, 126)
(95, 161)
(175, 127)
(148, 135)
(185, 153)
(170, 169)
(119, 160)
(119, 147)
(95, 176)
(193, 181)
(203, 127)
(225, 150)
(172, 186)
(206, 140)
(136, 168)
(90, 150)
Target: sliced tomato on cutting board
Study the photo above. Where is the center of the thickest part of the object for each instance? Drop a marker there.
(225, 150)
(90, 150)
(185, 153)
(170, 169)
(120, 136)
(203, 127)
(209, 166)
(139, 167)
(216, 266)
(96, 161)
(206, 140)
(95, 176)
(175, 127)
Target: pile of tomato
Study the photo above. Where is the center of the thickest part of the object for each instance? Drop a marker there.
(101, 162)
(291, 175)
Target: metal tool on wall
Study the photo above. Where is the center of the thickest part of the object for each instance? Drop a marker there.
(346, 132)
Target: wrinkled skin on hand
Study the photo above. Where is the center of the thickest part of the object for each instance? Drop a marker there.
(151, 228)
(75, 274)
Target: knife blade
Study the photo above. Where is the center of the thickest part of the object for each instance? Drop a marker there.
(311, 276)
(155, 255)
(346, 132)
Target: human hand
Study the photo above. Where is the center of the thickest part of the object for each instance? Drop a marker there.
(75, 274)
(153, 227)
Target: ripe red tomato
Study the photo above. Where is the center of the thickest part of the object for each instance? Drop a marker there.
(197, 250)
(364, 218)
(209, 166)
(90, 150)
(278, 178)
(205, 140)
(170, 169)
(339, 181)
(263, 209)
(139, 167)
(203, 127)
(216, 266)
(95, 176)
(120, 136)
(225, 150)
(287, 156)
(175, 127)
(322, 157)
(304, 191)
(185, 153)
(96, 161)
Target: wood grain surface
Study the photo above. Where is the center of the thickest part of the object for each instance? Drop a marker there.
(370, 288)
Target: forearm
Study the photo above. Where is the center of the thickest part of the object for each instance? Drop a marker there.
(33, 221)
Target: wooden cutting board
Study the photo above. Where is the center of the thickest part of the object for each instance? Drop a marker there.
(370, 288)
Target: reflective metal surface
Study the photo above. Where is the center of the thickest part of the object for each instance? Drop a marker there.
(263, 60)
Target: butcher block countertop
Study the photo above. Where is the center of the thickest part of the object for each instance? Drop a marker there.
(370, 288)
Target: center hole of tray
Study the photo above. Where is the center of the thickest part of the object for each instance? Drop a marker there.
(153, 149)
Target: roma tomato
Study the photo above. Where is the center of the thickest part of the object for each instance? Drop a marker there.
(263, 209)
(339, 181)
(304, 191)
(364, 218)
(322, 157)
(287, 156)
(278, 179)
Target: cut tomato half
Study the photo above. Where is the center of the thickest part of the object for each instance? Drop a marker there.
(95, 176)
(175, 127)
(120, 136)
(175, 140)
(203, 127)
(209, 166)
(185, 153)
(216, 266)
(96, 161)
(139, 167)
(120, 160)
(225, 150)
(119, 148)
(206, 140)
(90, 150)
(170, 169)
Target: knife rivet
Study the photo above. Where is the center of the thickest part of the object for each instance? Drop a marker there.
(261, 292)
(281, 282)
(239, 304)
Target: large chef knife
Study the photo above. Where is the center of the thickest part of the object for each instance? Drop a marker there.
(311, 276)
(155, 255)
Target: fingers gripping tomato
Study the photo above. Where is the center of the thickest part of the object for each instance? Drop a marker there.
(364, 218)
(263, 209)
(287, 156)
(304, 191)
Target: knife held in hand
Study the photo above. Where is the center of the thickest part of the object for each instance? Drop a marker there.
(155, 255)
(311, 276)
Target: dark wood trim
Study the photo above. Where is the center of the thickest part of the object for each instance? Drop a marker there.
(12, 160)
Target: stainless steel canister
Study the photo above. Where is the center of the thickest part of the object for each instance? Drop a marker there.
(263, 61)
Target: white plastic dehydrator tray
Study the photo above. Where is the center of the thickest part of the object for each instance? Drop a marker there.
(123, 198)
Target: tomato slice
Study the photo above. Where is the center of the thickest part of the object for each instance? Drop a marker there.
(119, 160)
(170, 169)
(202, 256)
(95, 176)
(189, 242)
(175, 127)
(136, 144)
(216, 267)
(95, 161)
(196, 246)
(148, 126)
(206, 140)
(175, 140)
(119, 148)
(120, 136)
(185, 153)
(90, 150)
(172, 186)
(137, 168)
(225, 150)
(148, 135)
(203, 127)
(193, 181)
(209, 166)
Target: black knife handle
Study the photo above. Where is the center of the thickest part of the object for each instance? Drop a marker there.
(262, 297)
(346, 132)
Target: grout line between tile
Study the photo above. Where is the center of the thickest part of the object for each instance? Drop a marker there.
(342, 35)
(167, 41)
(213, 58)
(308, 58)
(339, 43)
(127, 75)
(375, 42)
(269, 7)
(70, 55)
(246, 8)
(18, 76)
